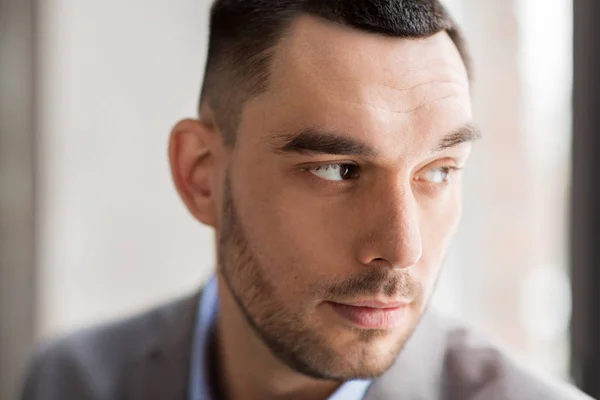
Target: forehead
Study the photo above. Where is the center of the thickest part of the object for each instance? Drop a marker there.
(328, 75)
(336, 50)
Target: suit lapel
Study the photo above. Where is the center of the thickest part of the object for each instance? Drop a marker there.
(160, 368)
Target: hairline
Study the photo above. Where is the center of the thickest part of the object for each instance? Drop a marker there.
(267, 56)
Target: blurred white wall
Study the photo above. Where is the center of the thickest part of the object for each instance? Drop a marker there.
(114, 237)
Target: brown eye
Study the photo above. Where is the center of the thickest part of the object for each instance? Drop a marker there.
(349, 171)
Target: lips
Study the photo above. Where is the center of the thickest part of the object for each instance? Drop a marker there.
(371, 314)
(377, 304)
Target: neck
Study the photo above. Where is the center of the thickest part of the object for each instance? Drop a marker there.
(246, 367)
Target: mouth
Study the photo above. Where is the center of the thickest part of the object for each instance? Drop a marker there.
(372, 314)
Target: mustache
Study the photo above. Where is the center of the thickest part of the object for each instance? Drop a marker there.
(373, 282)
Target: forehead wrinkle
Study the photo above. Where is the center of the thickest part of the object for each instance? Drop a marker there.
(280, 91)
(418, 85)
(403, 101)
(399, 89)
(405, 111)
(443, 72)
(325, 77)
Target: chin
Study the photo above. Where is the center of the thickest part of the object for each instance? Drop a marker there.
(360, 368)
(371, 355)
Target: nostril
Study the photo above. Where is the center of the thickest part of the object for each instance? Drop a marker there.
(381, 262)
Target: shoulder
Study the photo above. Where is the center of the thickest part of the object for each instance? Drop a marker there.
(475, 368)
(90, 363)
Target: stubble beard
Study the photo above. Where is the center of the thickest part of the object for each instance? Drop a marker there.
(280, 328)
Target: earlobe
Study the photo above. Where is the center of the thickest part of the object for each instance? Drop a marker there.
(193, 162)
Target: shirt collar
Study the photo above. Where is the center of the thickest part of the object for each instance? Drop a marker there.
(199, 386)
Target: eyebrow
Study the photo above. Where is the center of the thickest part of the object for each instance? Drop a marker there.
(314, 141)
(465, 134)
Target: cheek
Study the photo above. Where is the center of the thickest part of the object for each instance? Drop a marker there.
(289, 234)
(438, 226)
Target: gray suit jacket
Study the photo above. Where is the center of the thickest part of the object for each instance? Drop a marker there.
(147, 358)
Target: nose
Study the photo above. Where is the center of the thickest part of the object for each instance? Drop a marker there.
(392, 237)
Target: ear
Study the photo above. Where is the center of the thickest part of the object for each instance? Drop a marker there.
(194, 150)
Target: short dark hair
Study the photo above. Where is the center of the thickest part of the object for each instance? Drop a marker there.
(244, 32)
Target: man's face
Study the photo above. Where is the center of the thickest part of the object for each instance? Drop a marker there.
(342, 194)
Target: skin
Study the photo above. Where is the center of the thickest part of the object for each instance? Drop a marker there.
(293, 237)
